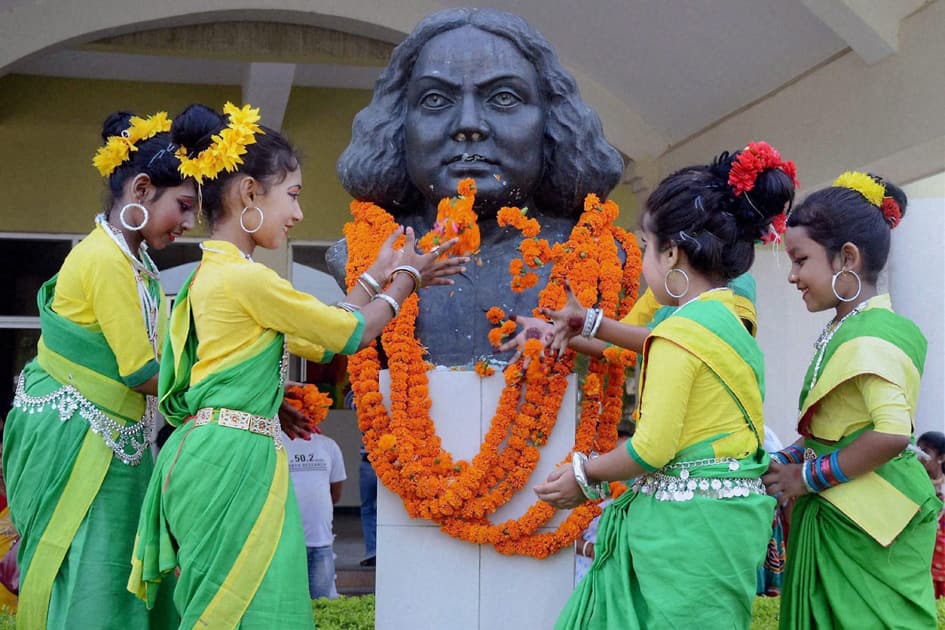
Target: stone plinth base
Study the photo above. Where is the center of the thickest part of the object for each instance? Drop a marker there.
(427, 580)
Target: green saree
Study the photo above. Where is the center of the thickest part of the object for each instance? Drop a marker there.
(76, 461)
(681, 548)
(220, 506)
(859, 554)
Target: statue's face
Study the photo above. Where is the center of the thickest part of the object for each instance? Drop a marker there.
(474, 109)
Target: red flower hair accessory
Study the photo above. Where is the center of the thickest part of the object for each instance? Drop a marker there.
(891, 212)
(752, 161)
(777, 227)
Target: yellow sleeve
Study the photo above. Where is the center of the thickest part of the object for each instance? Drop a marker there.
(670, 373)
(888, 408)
(643, 310)
(311, 327)
(311, 351)
(101, 291)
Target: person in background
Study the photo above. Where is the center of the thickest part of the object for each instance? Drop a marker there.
(931, 445)
(367, 484)
(317, 470)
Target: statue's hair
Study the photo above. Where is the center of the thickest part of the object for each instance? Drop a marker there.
(576, 158)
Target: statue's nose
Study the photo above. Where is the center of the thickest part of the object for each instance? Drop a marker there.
(470, 125)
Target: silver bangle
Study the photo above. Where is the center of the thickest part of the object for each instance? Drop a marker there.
(580, 475)
(348, 306)
(584, 548)
(414, 274)
(390, 301)
(597, 322)
(367, 289)
(590, 316)
(374, 284)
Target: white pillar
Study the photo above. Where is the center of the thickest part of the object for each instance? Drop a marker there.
(917, 287)
(427, 580)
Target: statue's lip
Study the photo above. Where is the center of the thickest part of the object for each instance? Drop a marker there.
(469, 157)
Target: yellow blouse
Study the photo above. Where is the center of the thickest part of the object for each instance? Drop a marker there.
(97, 289)
(683, 402)
(235, 301)
(646, 306)
(863, 400)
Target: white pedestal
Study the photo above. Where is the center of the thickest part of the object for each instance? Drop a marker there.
(427, 580)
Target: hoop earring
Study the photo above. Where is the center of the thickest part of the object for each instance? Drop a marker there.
(666, 283)
(262, 218)
(859, 285)
(124, 223)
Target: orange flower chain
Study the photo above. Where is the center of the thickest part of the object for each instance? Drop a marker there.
(455, 217)
(313, 404)
(403, 445)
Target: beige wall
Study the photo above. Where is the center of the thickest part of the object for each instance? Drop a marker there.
(50, 130)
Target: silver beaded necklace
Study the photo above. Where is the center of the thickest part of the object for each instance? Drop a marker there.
(820, 346)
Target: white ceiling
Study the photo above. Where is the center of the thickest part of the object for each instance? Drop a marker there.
(675, 67)
(683, 64)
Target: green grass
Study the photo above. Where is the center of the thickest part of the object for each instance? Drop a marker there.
(357, 613)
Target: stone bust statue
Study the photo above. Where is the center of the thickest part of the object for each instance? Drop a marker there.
(476, 93)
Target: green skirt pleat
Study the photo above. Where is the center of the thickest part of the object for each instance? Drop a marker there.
(89, 589)
(666, 564)
(209, 487)
(839, 577)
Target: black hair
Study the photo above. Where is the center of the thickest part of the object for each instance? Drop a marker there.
(155, 157)
(576, 158)
(268, 160)
(837, 215)
(934, 440)
(697, 210)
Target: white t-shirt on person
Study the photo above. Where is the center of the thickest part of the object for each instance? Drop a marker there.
(313, 465)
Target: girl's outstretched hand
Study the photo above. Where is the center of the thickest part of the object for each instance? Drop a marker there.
(433, 268)
(532, 328)
(568, 322)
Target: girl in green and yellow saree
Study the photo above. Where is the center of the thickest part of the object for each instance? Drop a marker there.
(864, 522)
(220, 506)
(666, 555)
(76, 454)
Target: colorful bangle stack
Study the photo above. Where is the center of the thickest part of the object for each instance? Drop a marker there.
(823, 472)
(793, 454)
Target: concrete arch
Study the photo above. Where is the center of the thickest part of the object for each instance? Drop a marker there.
(32, 27)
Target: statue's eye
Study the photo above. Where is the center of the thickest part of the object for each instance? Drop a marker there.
(434, 100)
(505, 98)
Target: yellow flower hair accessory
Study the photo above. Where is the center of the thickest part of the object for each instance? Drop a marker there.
(224, 154)
(119, 148)
(863, 184)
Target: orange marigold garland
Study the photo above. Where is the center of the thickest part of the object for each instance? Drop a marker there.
(455, 217)
(313, 404)
(402, 443)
